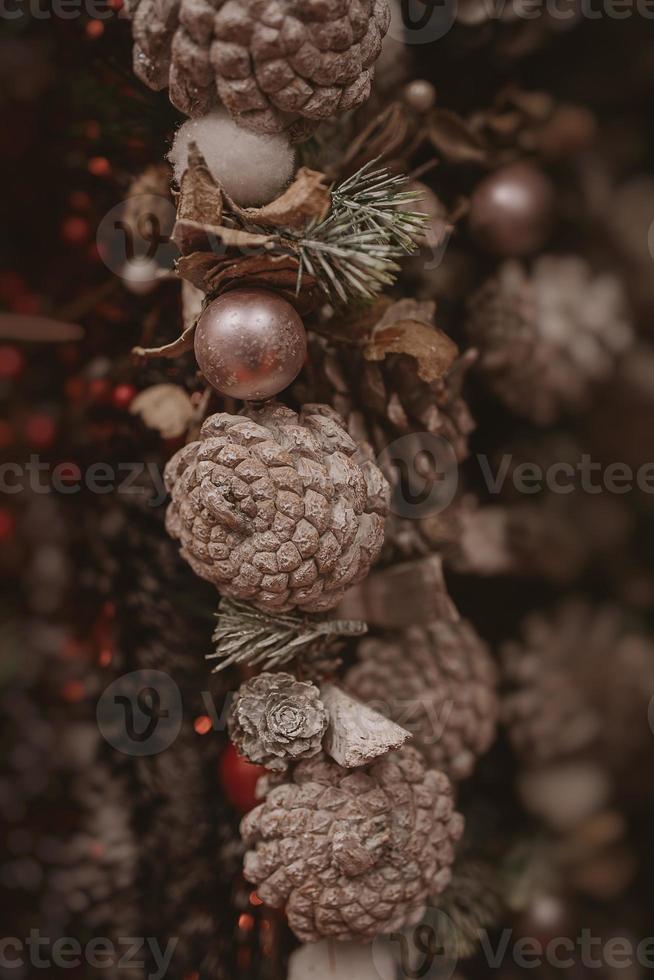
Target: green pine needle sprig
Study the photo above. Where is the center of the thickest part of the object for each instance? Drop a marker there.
(353, 252)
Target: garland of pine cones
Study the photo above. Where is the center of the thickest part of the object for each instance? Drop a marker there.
(284, 508)
(284, 511)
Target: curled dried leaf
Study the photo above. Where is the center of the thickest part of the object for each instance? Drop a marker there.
(200, 196)
(175, 349)
(407, 327)
(213, 274)
(165, 408)
(195, 236)
(307, 198)
(433, 350)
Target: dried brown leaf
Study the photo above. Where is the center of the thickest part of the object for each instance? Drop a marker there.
(166, 408)
(193, 236)
(213, 274)
(434, 351)
(200, 197)
(407, 327)
(175, 349)
(308, 197)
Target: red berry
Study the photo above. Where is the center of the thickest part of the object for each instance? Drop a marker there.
(7, 524)
(202, 725)
(12, 361)
(239, 779)
(75, 230)
(123, 395)
(40, 431)
(99, 166)
(99, 390)
(95, 28)
(73, 691)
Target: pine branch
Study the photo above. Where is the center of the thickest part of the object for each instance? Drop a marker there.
(245, 635)
(353, 252)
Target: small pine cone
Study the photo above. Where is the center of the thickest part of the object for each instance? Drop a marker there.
(353, 853)
(438, 682)
(547, 337)
(275, 509)
(580, 683)
(276, 719)
(273, 63)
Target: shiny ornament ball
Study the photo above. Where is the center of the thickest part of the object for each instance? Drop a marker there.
(12, 362)
(238, 779)
(250, 344)
(420, 95)
(511, 210)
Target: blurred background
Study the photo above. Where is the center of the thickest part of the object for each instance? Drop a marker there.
(98, 842)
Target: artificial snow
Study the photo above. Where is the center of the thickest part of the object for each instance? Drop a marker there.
(252, 167)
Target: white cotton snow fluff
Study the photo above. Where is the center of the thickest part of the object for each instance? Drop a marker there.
(252, 167)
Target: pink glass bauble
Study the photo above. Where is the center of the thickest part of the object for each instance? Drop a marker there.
(250, 344)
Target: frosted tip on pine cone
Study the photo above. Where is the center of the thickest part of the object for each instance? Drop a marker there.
(437, 681)
(276, 719)
(275, 509)
(271, 62)
(546, 337)
(353, 853)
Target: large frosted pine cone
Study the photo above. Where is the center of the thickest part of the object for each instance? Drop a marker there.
(546, 337)
(439, 683)
(274, 508)
(353, 853)
(579, 684)
(276, 719)
(271, 62)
